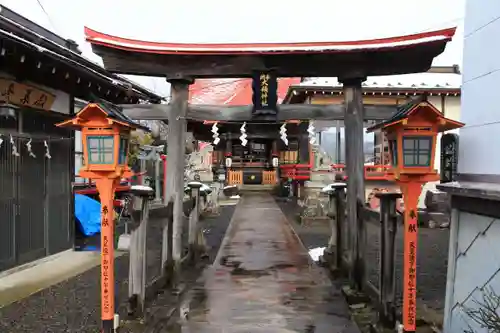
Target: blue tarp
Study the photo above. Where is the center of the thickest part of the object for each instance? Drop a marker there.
(88, 214)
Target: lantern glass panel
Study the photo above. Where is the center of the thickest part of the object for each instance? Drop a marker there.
(123, 151)
(393, 146)
(417, 151)
(100, 149)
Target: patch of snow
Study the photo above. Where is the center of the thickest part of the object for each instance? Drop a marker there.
(438, 81)
(203, 187)
(316, 253)
(234, 197)
(330, 187)
(141, 188)
(138, 46)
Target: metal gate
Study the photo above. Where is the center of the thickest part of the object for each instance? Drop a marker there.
(8, 206)
(35, 196)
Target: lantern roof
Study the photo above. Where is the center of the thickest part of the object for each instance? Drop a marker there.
(109, 110)
(420, 105)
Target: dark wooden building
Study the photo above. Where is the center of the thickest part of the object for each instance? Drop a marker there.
(251, 164)
(41, 74)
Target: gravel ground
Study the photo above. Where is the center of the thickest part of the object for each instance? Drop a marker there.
(312, 237)
(74, 305)
(432, 263)
(432, 256)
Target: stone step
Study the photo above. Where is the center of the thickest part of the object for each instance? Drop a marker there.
(258, 187)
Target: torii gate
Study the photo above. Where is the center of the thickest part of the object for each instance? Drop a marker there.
(350, 61)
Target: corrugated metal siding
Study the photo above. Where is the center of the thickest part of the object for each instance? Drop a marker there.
(477, 268)
(60, 219)
(8, 201)
(35, 196)
(30, 226)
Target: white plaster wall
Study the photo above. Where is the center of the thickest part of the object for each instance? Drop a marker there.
(481, 75)
(78, 158)
(474, 270)
(452, 107)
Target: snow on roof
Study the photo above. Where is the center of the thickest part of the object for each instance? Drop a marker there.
(404, 81)
(99, 38)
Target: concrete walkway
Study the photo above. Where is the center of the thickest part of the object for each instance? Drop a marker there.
(262, 281)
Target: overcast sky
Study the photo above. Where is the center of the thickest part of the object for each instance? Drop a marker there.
(245, 21)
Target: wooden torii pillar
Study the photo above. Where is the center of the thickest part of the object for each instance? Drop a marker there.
(354, 116)
(174, 189)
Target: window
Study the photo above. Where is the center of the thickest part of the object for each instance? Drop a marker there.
(100, 149)
(417, 151)
(394, 151)
(122, 156)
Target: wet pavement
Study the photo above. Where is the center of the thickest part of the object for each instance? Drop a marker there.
(262, 281)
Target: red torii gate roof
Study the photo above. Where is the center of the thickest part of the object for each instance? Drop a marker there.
(382, 56)
(99, 38)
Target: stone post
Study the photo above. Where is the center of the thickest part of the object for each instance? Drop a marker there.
(194, 247)
(387, 277)
(137, 261)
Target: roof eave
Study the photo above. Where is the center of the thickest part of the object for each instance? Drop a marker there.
(304, 88)
(239, 60)
(98, 38)
(30, 32)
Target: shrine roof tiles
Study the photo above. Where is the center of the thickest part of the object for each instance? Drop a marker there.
(231, 91)
(402, 112)
(417, 81)
(115, 112)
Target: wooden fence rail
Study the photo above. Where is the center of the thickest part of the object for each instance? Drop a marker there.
(154, 278)
(269, 177)
(382, 291)
(235, 177)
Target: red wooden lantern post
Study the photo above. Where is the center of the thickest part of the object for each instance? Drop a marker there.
(412, 134)
(105, 138)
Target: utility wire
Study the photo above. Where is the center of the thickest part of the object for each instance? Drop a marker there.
(457, 19)
(483, 26)
(46, 14)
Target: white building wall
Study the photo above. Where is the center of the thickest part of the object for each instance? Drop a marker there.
(78, 156)
(474, 271)
(481, 76)
(475, 260)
